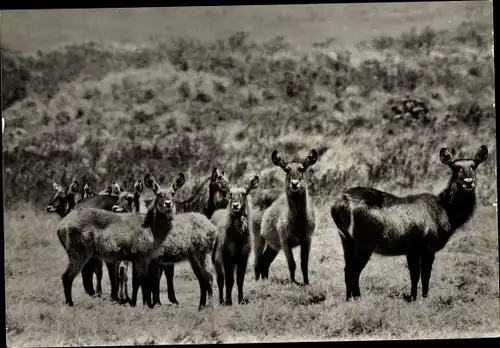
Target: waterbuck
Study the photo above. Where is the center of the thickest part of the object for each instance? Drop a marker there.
(210, 196)
(369, 220)
(114, 237)
(290, 221)
(64, 201)
(87, 193)
(191, 238)
(233, 242)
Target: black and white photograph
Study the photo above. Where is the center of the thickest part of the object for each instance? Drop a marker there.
(249, 173)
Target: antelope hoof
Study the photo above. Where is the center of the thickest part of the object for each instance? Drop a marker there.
(228, 303)
(243, 301)
(69, 303)
(409, 298)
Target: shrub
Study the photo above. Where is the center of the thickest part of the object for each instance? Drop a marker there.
(15, 77)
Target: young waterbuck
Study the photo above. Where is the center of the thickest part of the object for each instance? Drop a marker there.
(64, 201)
(369, 220)
(233, 242)
(191, 238)
(290, 221)
(114, 237)
(210, 196)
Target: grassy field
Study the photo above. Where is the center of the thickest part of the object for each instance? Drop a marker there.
(386, 98)
(463, 300)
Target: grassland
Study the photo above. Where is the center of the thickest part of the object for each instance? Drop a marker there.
(100, 111)
(463, 301)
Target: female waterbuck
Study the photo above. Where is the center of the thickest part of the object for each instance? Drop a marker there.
(114, 237)
(233, 242)
(369, 220)
(289, 222)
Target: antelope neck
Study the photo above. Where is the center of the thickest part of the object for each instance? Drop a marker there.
(458, 203)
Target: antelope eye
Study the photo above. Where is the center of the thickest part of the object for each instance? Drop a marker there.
(129, 198)
(287, 170)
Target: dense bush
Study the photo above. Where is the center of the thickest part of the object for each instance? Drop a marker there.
(15, 77)
(378, 116)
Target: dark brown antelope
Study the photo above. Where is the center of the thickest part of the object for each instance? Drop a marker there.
(369, 220)
(114, 237)
(207, 198)
(233, 242)
(63, 202)
(289, 222)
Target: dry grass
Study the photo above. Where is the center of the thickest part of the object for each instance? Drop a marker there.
(463, 300)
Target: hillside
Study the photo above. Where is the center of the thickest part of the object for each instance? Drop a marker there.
(377, 113)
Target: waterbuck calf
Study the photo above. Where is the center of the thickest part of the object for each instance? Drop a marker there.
(290, 221)
(114, 237)
(233, 242)
(64, 201)
(369, 220)
(210, 196)
(191, 238)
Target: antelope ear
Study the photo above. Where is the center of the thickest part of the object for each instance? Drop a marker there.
(116, 189)
(481, 155)
(87, 187)
(55, 186)
(75, 186)
(106, 191)
(311, 158)
(277, 160)
(215, 174)
(445, 156)
(178, 182)
(138, 186)
(252, 183)
(150, 183)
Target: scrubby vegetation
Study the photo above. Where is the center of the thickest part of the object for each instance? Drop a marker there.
(112, 112)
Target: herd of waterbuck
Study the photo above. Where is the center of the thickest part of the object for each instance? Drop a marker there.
(156, 232)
